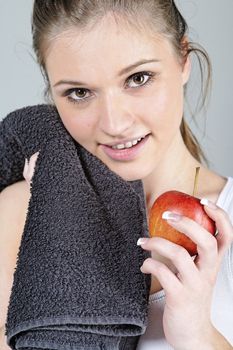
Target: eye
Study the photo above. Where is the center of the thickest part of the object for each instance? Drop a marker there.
(140, 79)
(77, 95)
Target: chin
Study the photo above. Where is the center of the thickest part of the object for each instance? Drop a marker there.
(137, 169)
(129, 172)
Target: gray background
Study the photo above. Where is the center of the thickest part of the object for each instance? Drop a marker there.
(210, 23)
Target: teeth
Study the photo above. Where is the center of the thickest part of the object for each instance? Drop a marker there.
(121, 146)
(127, 144)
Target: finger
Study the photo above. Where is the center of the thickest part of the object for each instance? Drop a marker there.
(223, 225)
(166, 278)
(25, 171)
(188, 271)
(35, 155)
(32, 164)
(207, 246)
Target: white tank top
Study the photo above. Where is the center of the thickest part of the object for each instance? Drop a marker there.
(222, 305)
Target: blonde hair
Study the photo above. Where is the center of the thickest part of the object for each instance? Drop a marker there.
(51, 17)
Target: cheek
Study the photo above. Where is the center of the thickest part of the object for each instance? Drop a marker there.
(75, 122)
(164, 108)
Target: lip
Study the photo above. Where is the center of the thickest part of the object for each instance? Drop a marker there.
(125, 154)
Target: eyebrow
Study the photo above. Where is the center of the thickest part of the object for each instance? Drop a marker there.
(122, 72)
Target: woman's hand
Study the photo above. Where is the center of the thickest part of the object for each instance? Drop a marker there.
(29, 167)
(186, 320)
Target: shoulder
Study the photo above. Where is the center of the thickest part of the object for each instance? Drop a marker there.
(25, 114)
(20, 187)
(14, 201)
(28, 111)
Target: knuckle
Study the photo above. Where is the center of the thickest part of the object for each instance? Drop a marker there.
(178, 253)
(154, 241)
(209, 279)
(223, 214)
(147, 263)
(211, 244)
(160, 269)
(150, 264)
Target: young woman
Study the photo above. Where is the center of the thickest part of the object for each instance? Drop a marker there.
(117, 72)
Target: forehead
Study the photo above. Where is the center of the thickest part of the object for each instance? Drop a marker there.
(109, 44)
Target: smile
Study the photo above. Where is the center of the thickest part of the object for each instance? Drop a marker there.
(126, 151)
(127, 144)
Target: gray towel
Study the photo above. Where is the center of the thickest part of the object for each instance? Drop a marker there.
(77, 284)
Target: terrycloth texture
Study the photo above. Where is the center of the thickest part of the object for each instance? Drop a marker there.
(78, 283)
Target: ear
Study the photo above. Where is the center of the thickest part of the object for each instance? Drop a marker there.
(186, 64)
(186, 70)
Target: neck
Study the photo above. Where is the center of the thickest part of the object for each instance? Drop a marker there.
(176, 171)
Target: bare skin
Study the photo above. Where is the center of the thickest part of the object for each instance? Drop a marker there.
(117, 108)
(13, 210)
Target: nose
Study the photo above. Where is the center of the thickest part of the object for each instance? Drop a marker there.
(116, 116)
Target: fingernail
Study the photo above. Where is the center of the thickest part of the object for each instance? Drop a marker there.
(142, 241)
(26, 164)
(141, 269)
(208, 203)
(168, 215)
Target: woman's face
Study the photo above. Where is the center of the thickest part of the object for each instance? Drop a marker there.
(119, 93)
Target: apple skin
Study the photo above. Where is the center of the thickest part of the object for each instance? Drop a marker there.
(183, 204)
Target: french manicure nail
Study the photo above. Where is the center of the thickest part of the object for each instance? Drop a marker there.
(26, 165)
(168, 215)
(208, 203)
(142, 241)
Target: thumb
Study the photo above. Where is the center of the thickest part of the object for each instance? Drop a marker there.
(29, 167)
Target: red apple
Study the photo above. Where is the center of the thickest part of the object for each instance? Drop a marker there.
(183, 204)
